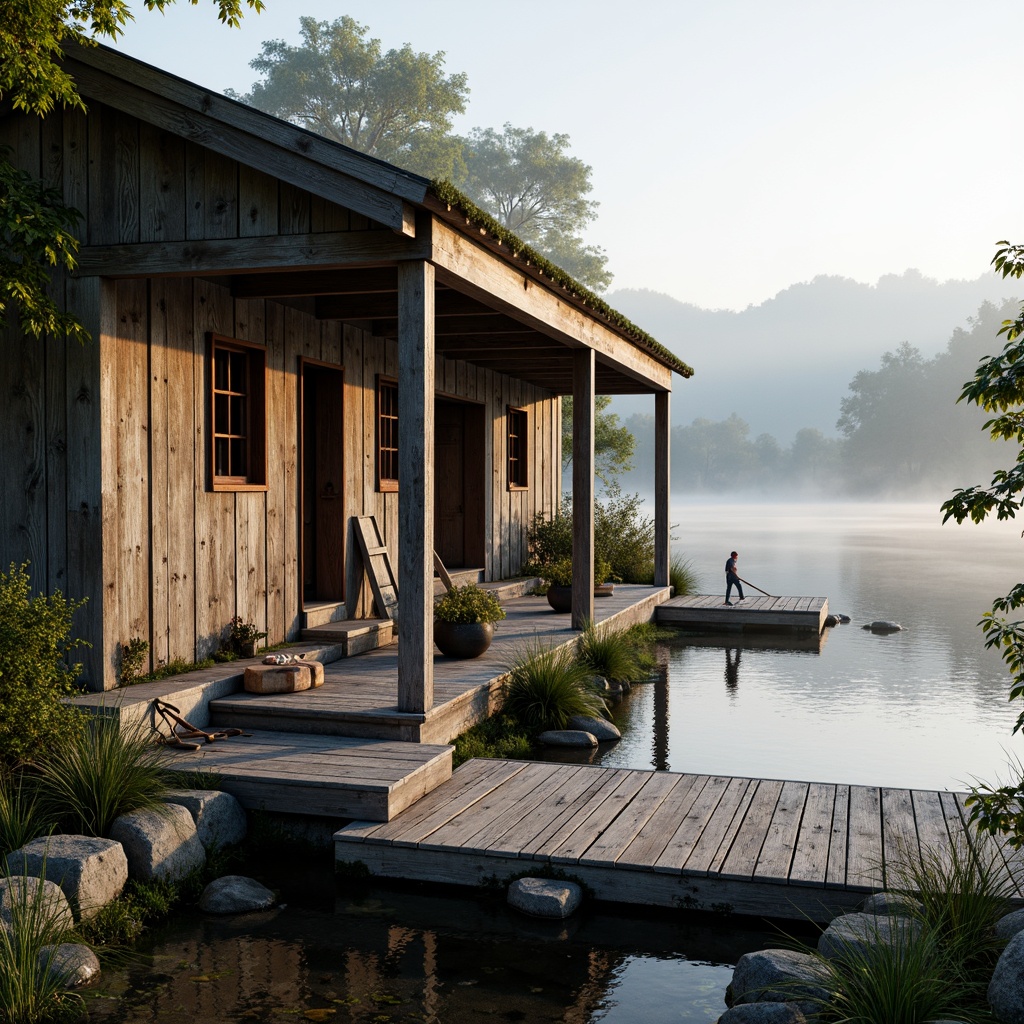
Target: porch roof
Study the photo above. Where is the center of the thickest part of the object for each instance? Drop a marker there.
(498, 303)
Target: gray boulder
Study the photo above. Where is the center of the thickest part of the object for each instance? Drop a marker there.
(1008, 925)
(780, 976)
(159, 843)
(35, 903)
(763, 1013)
(91, 871)
(543, 897)
(601, 728)
(1006, 989)
(235, 894)
(891, 904)
(567, 738)
(73, 964)
(883, 626)
(219, 817)
(854, 934)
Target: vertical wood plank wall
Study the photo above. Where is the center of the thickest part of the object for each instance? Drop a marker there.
(107, 445)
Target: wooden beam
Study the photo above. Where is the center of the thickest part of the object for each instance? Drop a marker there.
(582, 488)
(304, 284)
(238, 255)
(448, 305)
(524, 341)
(444, 326)
(416, 487)
(472, 269)
(662, 489)
(242, 133)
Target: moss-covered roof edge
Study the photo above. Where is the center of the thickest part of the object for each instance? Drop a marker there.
(451, 197)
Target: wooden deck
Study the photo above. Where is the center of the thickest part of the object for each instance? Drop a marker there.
(359, 695)
(332, 776)
(775, 614)
(750, 846)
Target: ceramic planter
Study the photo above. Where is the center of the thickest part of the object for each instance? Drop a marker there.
(560, 598)
(463, 639)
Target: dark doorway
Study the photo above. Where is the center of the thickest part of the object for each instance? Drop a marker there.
(323, 483)
(459, 483)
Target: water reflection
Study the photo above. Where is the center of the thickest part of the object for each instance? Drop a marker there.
(386, 955)
(732, 668)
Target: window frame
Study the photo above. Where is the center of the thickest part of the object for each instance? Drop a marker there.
(386, 483)
(517, 448)
(255, 395)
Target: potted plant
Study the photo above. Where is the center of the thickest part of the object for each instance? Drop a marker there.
(559, 577)
(464, 621)
(244, 637)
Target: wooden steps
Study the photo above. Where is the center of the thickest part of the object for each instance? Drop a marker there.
(331, 776)
(752, 846)
(763, 614)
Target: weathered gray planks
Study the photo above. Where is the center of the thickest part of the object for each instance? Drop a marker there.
(782, 849)
(756, 612)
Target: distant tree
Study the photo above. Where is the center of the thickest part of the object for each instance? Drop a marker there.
(36, 227)
(339, 83)
(614, 444)
(529, 182)
(998, 388)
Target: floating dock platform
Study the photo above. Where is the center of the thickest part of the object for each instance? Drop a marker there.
(706, 613)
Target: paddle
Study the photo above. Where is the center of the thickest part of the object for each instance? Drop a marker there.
(749, 584)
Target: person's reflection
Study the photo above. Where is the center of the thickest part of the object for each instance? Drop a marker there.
(732, 669)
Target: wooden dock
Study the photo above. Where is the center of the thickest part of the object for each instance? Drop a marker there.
(750, 846)
(705, 612)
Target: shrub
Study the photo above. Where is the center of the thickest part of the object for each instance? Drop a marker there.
(468, 604)
(21, 817)
(611, 655)
(100, 773)
(547, 686)
(35, 674)
(133, 659)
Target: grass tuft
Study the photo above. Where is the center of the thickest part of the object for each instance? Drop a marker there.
(22, 819)
(100, 774)
(547, 686)
(611, 655)
(683, 577)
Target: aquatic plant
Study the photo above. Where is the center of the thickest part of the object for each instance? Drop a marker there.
(99, 774)
(547, 686)
(611, 654)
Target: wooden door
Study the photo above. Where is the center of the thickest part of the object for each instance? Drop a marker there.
(323, 483)
(449, 483)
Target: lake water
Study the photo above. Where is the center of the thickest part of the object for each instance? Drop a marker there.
(922, 708)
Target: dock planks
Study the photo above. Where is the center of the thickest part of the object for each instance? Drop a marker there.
(802, 615)
(754, 846)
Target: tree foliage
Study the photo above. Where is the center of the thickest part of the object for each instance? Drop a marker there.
(536, 189)
(36, 227)
(998, 388)
(339, 83)
(614, 443)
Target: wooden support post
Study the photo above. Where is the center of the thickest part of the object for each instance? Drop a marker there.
(582, 487)
(415, 486)
(662, 490)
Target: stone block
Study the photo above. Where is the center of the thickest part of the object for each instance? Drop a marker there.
(219, 818)
(600, 728)
(235, 894)
(37, 903)
(852, 934)
(1006, 989)
(290, 678)
(763, 1013)
(159, 843)
(73, 964)
(543, 897)
(780, 976)
(91, 871)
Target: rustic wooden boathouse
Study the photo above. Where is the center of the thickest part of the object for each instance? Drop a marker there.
(287, 335)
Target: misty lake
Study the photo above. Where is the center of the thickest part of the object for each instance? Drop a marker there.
(922, 708)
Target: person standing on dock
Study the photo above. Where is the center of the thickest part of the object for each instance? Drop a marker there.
(732, 578)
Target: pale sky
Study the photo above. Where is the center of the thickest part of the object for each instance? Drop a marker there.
(737, 147)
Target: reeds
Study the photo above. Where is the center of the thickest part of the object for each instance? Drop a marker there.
(548, 686)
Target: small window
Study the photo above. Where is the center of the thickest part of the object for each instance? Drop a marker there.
(238, 431)
(387, 434)
(518, 463)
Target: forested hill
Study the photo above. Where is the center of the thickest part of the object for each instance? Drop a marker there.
(785, 364)
(902, 432)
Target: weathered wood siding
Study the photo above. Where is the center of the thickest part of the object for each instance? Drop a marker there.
(106, 445)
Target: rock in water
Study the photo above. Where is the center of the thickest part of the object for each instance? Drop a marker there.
(235, 894)
(543, 897)
(883, 626)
